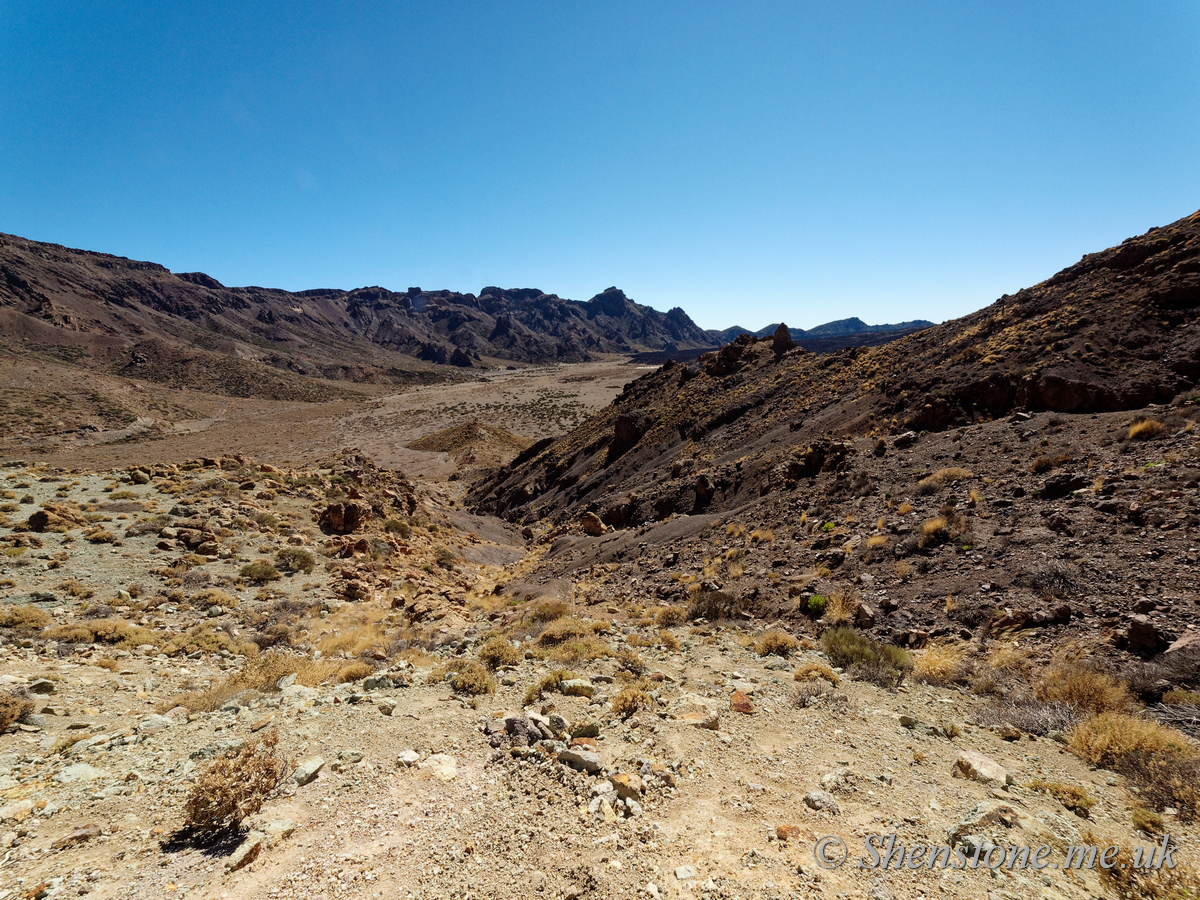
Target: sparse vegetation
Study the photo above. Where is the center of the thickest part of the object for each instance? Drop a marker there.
(1083, 688)
(941, 663)
(235, 786)
(25, 619)
(866, 660)
(776, 643)
(629, 700)
(293, 559)
(260, 572)
(1146, 429)
(13, 708)
(813, 670)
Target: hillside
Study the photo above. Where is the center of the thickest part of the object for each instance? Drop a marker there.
(137, 318)
(1116, 331)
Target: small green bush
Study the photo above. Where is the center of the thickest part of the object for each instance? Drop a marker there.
(881, 664)
(815, 607)
(260, 572)
(295, 559)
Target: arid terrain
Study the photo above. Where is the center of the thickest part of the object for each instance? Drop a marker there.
(602, 629)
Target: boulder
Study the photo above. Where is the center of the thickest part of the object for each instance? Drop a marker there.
(977, 767)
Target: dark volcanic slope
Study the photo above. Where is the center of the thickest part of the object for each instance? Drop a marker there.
(1118, 330)
(128, 313)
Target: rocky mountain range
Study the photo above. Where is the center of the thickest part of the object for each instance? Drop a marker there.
(838, 328)
(139, 319)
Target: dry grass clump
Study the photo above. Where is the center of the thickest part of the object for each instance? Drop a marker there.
(1009, 658)
(934, 531)
(551, 682)
(1146, 429)
(629, 660)
(355, 671)
(777, 643)
(13, 708)
(1146, 820)
(101, 536)
(630, 700)
(671, 616)
(263, 675)
(943, 477)
(762, 536)
(1071, 796)
(26, 619)
(1083, 687)
(577, 650)
(496, 651)
(235, 786)
(840, 607)
(813, 670)
(549, 611)
(1112, 738)
(213, 597)
(210, 640)
(559, 631)
(1125, 879)
(667, 640)
(943, 663)
(464, 677)
(713, 606)
(123, 635)
(367, 637)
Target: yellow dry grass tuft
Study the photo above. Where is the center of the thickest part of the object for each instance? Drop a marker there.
(943, 663)
(1084, 688)
(1146, 429)
(811, 671)
(1112, 738)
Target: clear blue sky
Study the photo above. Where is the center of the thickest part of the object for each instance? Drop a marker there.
(749, 162)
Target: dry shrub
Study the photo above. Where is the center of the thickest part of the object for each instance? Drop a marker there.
(943, 477)
(101, 536)
(867, 660)
(497, 651)
(713, 606)
(213, 597)
(26, 619)
(762, 535)
(13, 708)
(123, 635)
(551, 682)
(1146, 429)
(630, 700)
(1082, 687)
(235, 786)
(1131, 882)
(944, 663)
(560, 631)
(210, 640)
(841, 607)
(1112, 738)
(1071, 796)
(355, 671)
(464, 677)
(813, 670)
(548, 612)
(260, 572)
(628, 660)
(809, 692)
(1025, 713)
(667, 640)
(671, 616)
(1146, 820)
(295, 559)
(777, 643)
(1009, 658)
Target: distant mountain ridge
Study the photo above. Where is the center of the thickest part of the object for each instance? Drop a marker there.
(853, 325)
(141, 319)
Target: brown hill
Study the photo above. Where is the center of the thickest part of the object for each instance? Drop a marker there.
(1116, 331)
(127, 316)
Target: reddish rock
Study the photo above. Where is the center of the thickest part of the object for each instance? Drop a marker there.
(741, 702)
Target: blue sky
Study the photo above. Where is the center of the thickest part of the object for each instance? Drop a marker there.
(750, 163)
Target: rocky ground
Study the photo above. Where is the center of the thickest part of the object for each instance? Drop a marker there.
(679, 761)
